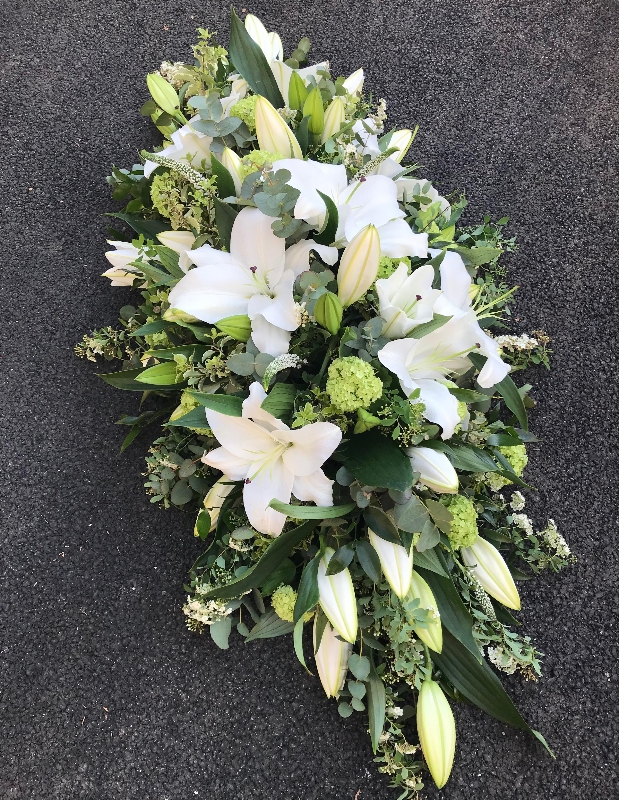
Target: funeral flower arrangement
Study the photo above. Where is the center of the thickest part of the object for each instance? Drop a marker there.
(323, 348)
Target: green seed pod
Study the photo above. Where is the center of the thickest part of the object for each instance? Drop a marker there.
(297, 93)
(238, 326)
(163, 94)
(328, 312)
(313, 109)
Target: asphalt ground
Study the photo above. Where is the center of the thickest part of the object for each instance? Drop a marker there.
(104, 693)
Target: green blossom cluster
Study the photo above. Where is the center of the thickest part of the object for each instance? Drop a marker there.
(184, 205)
(387, 266)
(257, 159)
(283, 601)
(517, 457)
(352, 384)
(245, 109)
(464, 521)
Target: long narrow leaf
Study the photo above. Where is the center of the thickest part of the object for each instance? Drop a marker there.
(250, 61)
(508, 391)
(311, 512)
(376, 706)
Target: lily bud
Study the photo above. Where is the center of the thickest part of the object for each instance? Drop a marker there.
(432, 636)
(297, 92)
(214, 500)
(312, 108)
(354, 83)
(163, 93)
(402, 140)
(359, 266)
(435, 469)
(237, 326)
(487, 565)
(180, 242)
(233, 164)
(273, 134)
(331, 660)
(328, 312)
(334, 118)
(337, 598)
(396, 563)
(269, 43)
(437, 731)
(176, 315)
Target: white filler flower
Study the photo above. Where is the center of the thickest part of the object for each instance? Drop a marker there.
(273, 460)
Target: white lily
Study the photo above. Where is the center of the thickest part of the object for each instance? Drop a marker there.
(181, 242)
(331, 660)
(354, 83)
(337, 595)
(455, 301)
(251, 279)
(435, 469)
(488, 566)
(271, 46)
(121, 273)
(273, 460)
(273, 134)
(371, 201)
(406, 300)
(396, 563)
(424, 363)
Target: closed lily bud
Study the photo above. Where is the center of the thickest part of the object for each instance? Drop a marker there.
(233, 164)
(337, 598)
(432, 636)
(354, 83)
(214, 500)
(312, 108)
(359, 266)
(176, 315)
(163, 93)
(396, 563)
(180, 242)
(237, 326)
(487, 565)
(402, 140)
(328, 312)
(334, 118)
(435, 469)
(273, 134)
(297, 92)
(437, 731)
(331, 660)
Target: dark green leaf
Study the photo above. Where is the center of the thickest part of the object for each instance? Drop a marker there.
(341, 559)
(368, 558)
(280, 548)
(196, 418)
(502, 440)
(298, 643)
(471, 459)
(151, 327)
(224, 403)
(430, 537)
(181, 493)
(311, 512)
(454, 614)
(302, 134)
(284, 573)
(508, 391)
(376, 706)
(428, 560)
(376, 460)
(442, 516)
(478, 255)
(411, 516)
(280, 400)
(203, 524)
(269, 626)
(224, 219)
(250, 62)
(225, 182)
(126, 379)
(308, 594)
(329, 229)
(467, 395)
(478, 683)
(381, 525)
(149, 228)
(359, 666)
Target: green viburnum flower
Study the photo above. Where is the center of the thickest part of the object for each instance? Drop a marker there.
(387, 266)
(257, 159)
(517, 457)
(352, 384)
(245, 109)
(157, 339)
(464, 523)
(174, 197)
(283, 600)
(187, 404)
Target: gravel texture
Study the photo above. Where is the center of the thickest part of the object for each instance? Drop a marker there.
(104, 694)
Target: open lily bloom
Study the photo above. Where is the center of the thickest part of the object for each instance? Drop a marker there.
(455, 301)
(121, 274)
(251, 279)
(273, 460)
(424, 363)
(372, 201)
(271, 45)
(297, 255)
(406, 300)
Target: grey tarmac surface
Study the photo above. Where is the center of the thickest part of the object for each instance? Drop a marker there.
(104, 694)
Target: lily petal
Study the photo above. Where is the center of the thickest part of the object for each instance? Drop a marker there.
(269, 338)
(398, 240)
(297, 255)
(253, 244)
(310, 447)
(267, 480)
(316, 488)
(242, 437)
(232, 466)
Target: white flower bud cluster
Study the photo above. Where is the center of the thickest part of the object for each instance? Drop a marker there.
(503, 660)
(553, 539)
(522, 342)
(524, 522)
(287, 114)
(205, 612)
(517, 502)
(174, 73)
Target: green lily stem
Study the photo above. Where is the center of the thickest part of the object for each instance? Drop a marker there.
(428, 659)
(330, 349)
